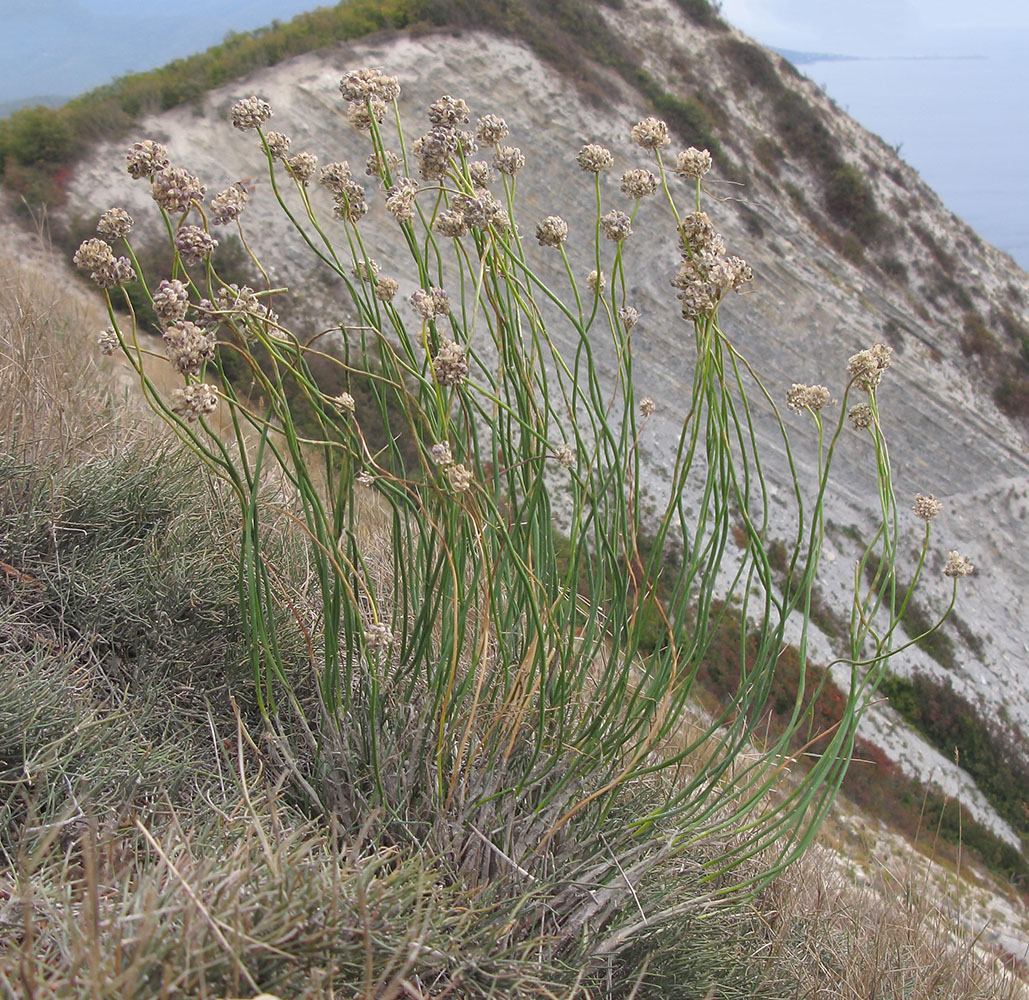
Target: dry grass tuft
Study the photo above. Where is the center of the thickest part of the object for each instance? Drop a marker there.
(53, 391)
(890, 938)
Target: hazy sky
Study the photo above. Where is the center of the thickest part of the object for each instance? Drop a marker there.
(877, 27)
(63, 47)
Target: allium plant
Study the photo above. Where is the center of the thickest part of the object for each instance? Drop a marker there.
(495, 690)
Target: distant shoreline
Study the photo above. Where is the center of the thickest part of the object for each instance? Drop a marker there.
(805, 58)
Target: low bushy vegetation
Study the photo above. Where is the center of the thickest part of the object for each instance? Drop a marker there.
(1005, 360)
(752, 65)
(993, 754)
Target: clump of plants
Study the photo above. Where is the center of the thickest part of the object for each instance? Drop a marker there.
(481, 674)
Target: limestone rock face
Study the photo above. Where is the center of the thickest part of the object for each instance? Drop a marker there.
(808, 309)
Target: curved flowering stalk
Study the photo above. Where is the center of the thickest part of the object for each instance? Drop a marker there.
(504, 643)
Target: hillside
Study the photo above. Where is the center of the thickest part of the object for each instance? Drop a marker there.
(849, 248)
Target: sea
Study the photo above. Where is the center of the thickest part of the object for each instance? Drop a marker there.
(961, 122)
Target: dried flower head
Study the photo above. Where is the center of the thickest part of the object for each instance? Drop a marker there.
(92, 254)
(194, 401)
(400, 199)
(697, 236)
(175, 189)
(96, 257)
(481, 211)
(596, 281)
(171, 301)
(593, 158)
(251, 112)
(245, 305)
(188, 346)
(386, 288)
(651, 133)
(461, 478)
(434, 151)
(451, 111)
(647, 406)
(194, 244)
(278, 144)
(365, 270)
(617, 226)
(861, 416)
(480, 173)
(466, 141)
(344, 401)
(145, 158)
(491, 129)
(693, 163)
(383, 164)
(450, 365)
(867, 367)
(697, 300)
(335, 175)
(958, 565)
(742, 272)
(361, 114)
(440, 301)
(377, 636)
(926, 507)
(629, 317)
(349, 202)
(441, 454)
(234, 299)
(423, 303)
(365, 478)
(227, 205)
(206, 316)
(114, 224)
(638, 183)
(369, 83)
(451, 223)
(704, 277)
(508, 160)
(302, 166)
(806, 397)
(108, 341)
(721, 275)
(551, 231)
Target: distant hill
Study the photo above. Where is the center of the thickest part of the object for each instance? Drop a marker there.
(45, 100)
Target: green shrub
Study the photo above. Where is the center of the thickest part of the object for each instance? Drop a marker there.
(803, 133)
(703, 13)
(978, 338)
(1012, 394)
(992, 755)
(751, 65)
(851, 204)
(769, 154)
(34, 137)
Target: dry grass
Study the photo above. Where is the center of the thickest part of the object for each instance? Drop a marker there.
(53, 392)
(890, 938)
(147, 845)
